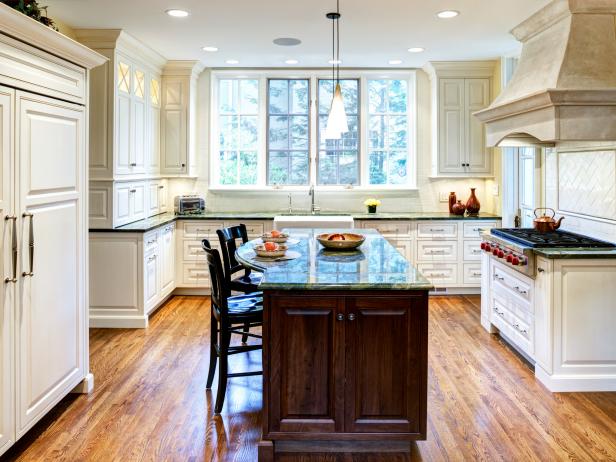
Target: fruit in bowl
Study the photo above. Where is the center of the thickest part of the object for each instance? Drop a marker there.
(270, 250)
(341, 241)
(275, 236)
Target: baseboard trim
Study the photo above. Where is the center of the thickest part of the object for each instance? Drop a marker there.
(559, 383)
(86, 386)
(343, 446)
(119, 322)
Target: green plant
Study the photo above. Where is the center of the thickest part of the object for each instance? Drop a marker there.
(32, 9)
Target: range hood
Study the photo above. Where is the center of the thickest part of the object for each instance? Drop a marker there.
(564, 87)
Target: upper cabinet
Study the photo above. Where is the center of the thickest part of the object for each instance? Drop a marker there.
(458, 90)
(125, 95)
(179, 118)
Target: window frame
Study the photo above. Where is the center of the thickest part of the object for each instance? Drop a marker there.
(313, 75)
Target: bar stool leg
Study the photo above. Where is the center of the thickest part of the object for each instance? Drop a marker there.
(225, 340)
(246, 329)
(213, 352)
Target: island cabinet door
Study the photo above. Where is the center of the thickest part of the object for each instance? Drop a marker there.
(306, 351)
(386, 364)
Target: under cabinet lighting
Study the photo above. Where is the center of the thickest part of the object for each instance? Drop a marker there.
(177, 13)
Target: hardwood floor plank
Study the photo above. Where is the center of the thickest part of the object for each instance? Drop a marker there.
(150, 402)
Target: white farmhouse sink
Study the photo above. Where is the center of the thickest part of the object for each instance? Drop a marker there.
(313, 221)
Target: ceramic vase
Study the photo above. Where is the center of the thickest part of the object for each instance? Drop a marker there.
(452, 201)
(472, 204)
(458, 208)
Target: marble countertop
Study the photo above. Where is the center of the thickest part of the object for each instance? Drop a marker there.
(148, 224)
(570, 253)
(376, 265)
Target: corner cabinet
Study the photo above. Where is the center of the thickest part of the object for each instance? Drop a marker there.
(458, 90)
(345, 367)
(43, 146)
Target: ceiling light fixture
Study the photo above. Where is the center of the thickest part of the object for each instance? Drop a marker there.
(210, 49)
(395, 62)
(337, 123)
(177, 13)
(232, 61)
(416, 50)
(447, 14)
(291, 61)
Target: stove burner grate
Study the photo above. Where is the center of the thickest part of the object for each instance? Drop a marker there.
(533, 238)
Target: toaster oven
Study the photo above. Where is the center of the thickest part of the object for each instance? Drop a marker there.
(188, 205)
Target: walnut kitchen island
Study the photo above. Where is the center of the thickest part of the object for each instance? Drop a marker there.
(345, 340)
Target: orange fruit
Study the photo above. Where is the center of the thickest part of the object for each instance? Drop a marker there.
(275, 233)
(271, 246)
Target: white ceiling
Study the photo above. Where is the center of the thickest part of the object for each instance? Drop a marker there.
(372, 31)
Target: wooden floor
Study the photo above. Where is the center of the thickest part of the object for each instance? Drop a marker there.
(149, 402)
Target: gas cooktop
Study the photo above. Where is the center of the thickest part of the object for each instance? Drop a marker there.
(532, 238)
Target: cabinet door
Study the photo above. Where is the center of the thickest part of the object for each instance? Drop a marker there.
(162, 196)
(386, 364)
(153, 198)
(167, 253)
(51, 344)
(154, 126)
(174, 124)
(7, 299)
(123, 134)
(151, 281)
(137, 201)
(476, 97)
(451, 139)
(139, 126)
(306, 369)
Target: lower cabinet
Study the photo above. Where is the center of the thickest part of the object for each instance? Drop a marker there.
(345, 364)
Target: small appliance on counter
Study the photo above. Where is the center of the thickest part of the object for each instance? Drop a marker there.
(189, 204)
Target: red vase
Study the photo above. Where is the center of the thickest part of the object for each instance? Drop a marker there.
(458, 208)
(472, 204)
(452, 201)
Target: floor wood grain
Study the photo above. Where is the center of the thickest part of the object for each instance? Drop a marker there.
(149, 402)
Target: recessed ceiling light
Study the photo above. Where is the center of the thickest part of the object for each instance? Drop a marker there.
(335, 61)
(447, 14)
(232, 61)
(177, 13)
(287, 41)
(395, 61)
(210, 49)
(291, 61)
(416, 50)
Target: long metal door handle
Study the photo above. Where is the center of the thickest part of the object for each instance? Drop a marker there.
(30, 244)
(13, 277)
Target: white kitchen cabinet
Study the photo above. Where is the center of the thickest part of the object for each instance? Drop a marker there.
(151, 279)
(460, 89)
(130, 202)
(398, 233)
(163, 197)
(167, 259)
(153, 198)
(154, 125)
(178, 117)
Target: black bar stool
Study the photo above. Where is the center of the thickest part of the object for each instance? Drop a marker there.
(229, 315)
(249, 281)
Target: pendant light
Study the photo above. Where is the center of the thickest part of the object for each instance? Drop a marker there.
(337, 120)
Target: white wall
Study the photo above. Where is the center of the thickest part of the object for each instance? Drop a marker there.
(580, 184)
(425, 198)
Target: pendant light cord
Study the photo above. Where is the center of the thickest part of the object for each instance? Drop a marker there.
(338, 42)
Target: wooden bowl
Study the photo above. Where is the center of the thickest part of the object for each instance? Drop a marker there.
(351, 241)
(267, 237)
(279, 252)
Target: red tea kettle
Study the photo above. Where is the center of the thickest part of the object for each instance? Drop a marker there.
(544, 223)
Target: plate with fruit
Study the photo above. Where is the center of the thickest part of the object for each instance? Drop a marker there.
(270, 250)
(275, 236)
(341, 241)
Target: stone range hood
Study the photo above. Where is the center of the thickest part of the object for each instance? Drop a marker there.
(564, 87)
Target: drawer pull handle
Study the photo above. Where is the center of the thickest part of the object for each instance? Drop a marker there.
(476, 251)
(437, 275)
(476, 273)
(500, 313)
(523, 292)
(13, 277)
(153, 241)
(340, 317)
(437, 251)
(437, 230)
(133, 164)
(152, 258)
(30, 244)
(541, 270)
(498, 277)
(161, 187)
(132, 191)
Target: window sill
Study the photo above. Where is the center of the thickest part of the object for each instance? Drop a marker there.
(318, 189)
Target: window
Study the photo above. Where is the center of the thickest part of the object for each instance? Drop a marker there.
(155, 92)
(238, 130)
(288, 139)
(139, 84)
(388, 134)
(338, 161)
(268, 127)
(123, 77)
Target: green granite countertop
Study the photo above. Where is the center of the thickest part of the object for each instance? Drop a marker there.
(148, 224)
(376, 265)
(571, 253)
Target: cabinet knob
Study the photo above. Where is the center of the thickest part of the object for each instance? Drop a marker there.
(133, 164)
(340, 317)
(352, 317)
(183, 165)
(541, 270)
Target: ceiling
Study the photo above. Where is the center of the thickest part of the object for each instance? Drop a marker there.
(372, 32)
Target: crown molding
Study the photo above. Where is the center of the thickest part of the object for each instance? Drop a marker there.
(27, 30)
(183, 68)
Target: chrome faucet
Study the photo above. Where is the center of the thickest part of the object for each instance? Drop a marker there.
(313, 208)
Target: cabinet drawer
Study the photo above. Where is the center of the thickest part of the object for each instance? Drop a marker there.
(390, 228)
(447, 230)
(202, 229)
(472, 274)
(150, 242)
(439, 273)
(512, 283)
(254, 230)
(473, 229)
(472, 250)
(518, 330)
(193, 251)
(195, 274)
(437, 251)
